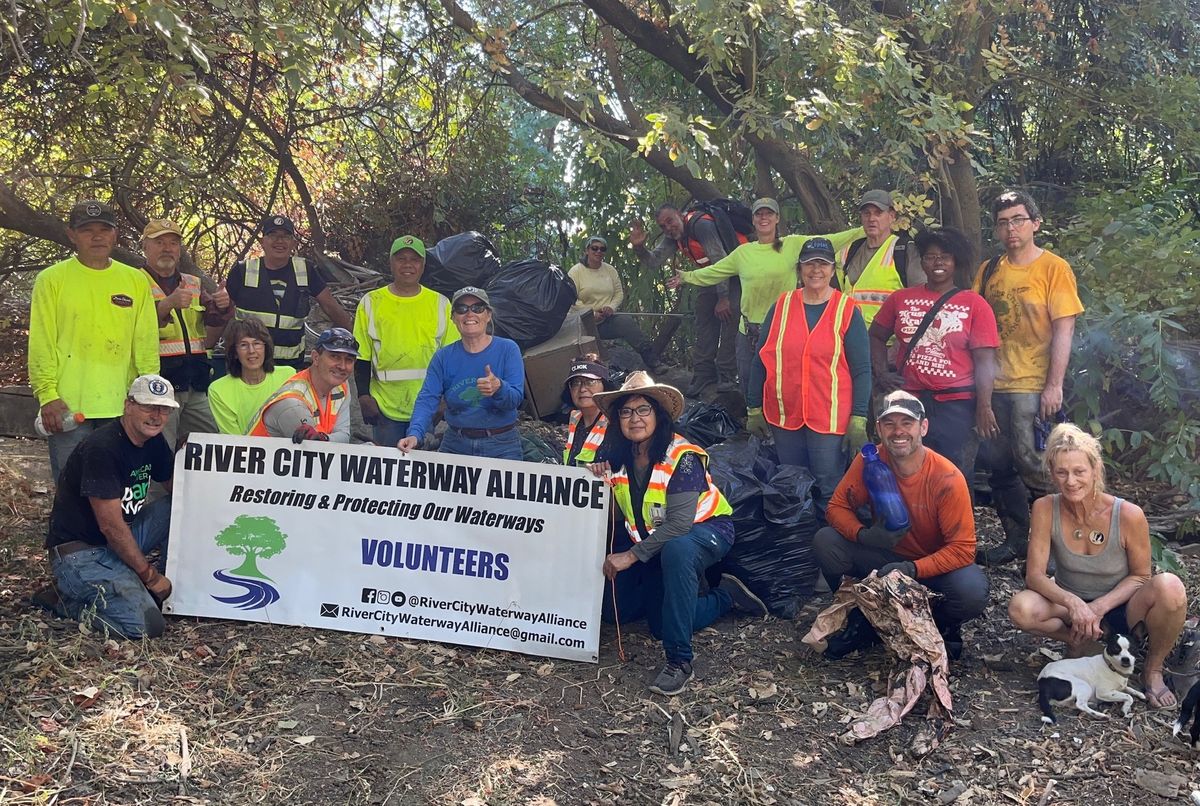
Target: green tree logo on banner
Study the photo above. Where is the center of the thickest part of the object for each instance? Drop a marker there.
(252, 536)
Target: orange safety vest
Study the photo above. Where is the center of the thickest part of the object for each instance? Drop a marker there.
(170, 336)
(808, 377)
(691, 247)
(591, 443)
(299, 387)
(654, 502)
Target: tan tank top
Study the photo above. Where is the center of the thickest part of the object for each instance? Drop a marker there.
(1089, 577)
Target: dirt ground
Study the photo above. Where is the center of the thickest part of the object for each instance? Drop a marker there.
(235, 713)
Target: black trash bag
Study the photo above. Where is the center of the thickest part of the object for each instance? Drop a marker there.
(774, 521)
(535, 449)
(459, 261)
(706, 424)
(530, 300)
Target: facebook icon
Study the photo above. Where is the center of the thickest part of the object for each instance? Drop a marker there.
(373, 596)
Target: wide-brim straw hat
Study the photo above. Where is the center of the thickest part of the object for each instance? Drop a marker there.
(640, 383)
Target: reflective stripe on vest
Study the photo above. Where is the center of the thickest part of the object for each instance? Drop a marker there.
(274, 319)
(591, 443)
(808, 378)
(299, 387)
(711, 501)
(877, 282)
(171, 342)
(385, 375)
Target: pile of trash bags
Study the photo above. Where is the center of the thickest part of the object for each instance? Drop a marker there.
(706, 424)
(775, 520)
(530, 298)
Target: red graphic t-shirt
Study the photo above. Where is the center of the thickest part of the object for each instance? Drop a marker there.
(943, 358)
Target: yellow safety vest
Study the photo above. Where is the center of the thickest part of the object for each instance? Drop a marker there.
(878, 280)
(711, 503)
(171, 341)
(591, 443)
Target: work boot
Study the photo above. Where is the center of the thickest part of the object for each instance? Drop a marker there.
(48, 598)
(1012, 507)
(857, 634)
(744, 600)
(952, 638)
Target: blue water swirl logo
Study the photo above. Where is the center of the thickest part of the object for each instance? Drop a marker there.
(252, 538)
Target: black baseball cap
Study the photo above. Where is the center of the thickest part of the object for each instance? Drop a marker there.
(278, 222)
(89, 210)
(338, 340)
(817, 249)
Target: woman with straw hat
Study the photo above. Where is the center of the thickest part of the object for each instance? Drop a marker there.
(677, 523)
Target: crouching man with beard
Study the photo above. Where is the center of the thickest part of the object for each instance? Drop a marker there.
(938, 548)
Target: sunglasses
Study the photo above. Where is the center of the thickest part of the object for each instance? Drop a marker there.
(461, 307)
(598, 248)
(340, 343)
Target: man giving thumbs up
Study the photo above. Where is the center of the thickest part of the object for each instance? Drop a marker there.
(482, 381)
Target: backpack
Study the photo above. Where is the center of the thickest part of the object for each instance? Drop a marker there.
(899, 254)
(731, 217)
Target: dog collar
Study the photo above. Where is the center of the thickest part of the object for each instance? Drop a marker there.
(1122, 672)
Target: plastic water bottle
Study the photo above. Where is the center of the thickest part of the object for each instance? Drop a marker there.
(884, 492)
(71, 420)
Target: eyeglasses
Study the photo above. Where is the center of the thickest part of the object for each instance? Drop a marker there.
(933, 260)
(152, 408)
(576, 383)
(1009, 223)
(461, 307)
(598, 248)
(251, 345)
(643, 411)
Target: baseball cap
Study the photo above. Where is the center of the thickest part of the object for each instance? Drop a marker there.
(338, 340)
(153, 390)
(767, 202)
(876, 198)
(408, 242)
(582, 368)
(471, 291)
(817, 249)
(901, 402)
(278, 222)
(89, 210)
(158, 227)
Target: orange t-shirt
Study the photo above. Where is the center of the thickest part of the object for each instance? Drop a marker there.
(941, 537)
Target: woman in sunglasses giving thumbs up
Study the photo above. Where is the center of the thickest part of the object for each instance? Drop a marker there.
(482, 380)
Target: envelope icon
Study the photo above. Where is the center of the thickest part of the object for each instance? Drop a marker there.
(329, 610)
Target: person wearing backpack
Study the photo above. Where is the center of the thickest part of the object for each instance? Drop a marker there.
(697, 234)
(1033, 294)
(947, 339)
(766, 268)
(875, 265)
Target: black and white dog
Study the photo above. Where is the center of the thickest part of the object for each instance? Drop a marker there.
(1189, 711)
(1101, 678)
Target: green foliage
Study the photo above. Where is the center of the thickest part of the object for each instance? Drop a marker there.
(252, 536)
(1164, 559)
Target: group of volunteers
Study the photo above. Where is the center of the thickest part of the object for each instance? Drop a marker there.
(831, 339)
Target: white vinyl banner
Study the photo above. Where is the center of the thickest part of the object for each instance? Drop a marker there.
(460, 549)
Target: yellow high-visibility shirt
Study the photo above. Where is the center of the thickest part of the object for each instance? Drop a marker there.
(399, 336)
(91, 332)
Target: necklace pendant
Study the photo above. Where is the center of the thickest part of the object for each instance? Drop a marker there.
(1096, 538)
(1077, 534)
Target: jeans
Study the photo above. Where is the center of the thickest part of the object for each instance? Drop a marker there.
(964, 591)
(823, 454)
(1014, 464)
(97, 578)
(501, 446)
(669, 588)
(747, 354)
(386, 432)
(714, 358)
(64, 443)
(950, 431)
(193, 415)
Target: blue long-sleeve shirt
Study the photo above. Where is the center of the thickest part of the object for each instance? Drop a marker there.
(452, 375)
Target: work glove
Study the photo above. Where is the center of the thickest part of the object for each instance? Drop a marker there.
(856, 434)
(880, 537)
(306, 431)
(906, 567)
(158, 586)
(756, 423)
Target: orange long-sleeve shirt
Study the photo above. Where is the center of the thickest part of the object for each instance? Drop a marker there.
(941, 537)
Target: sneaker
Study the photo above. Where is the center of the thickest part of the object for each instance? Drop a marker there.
(48, 598)
(744, 600)
(673, 678)
(857, 634)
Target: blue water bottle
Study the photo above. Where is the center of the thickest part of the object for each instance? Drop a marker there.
(884, 492)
